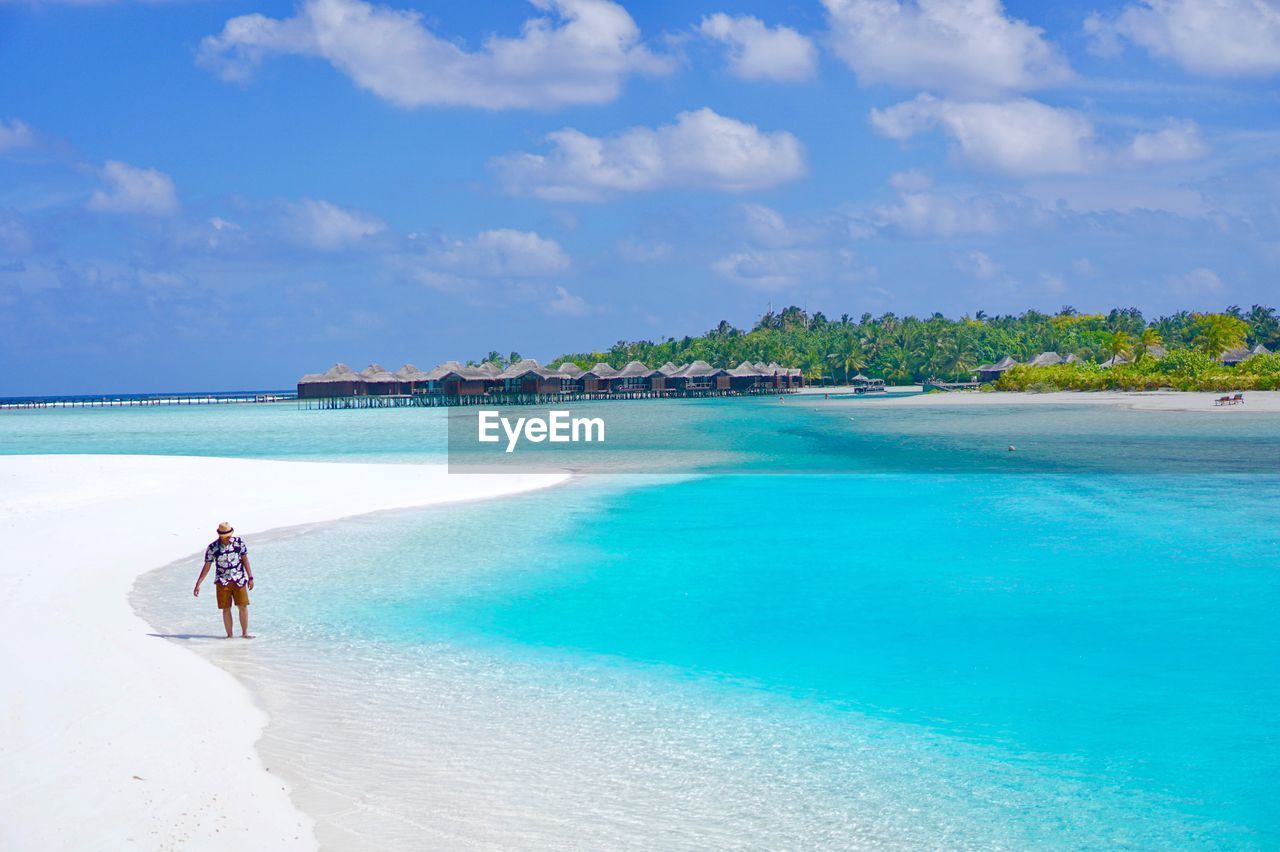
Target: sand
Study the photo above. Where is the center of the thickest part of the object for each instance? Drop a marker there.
(1268, 401)
(111, 737)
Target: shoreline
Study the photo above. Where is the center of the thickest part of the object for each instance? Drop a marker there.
(155, 745)
(1256, 401)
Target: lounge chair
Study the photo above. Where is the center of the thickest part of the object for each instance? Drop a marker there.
(1222, 400)
(1237, 398)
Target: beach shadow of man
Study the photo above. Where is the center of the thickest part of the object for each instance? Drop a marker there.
(233, 579)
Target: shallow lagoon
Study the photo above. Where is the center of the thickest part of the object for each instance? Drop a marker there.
(934, 657)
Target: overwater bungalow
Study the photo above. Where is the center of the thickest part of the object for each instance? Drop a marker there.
(453, 379)
(379, 381)
(338, 380)
(528, 376)
(747, 377)
(632, 378)
(412, 380)
(596, 380)
(991, 372)
(699, 377)
(570, 377)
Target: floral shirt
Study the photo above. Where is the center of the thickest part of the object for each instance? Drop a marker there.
(229, 560)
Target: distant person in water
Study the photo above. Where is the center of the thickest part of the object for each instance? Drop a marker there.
(233, 579)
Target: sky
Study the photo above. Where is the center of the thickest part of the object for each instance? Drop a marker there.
(218, 194)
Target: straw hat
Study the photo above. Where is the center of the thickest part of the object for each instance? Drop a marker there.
(225, 527)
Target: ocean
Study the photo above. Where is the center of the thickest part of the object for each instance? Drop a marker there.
(905, 636)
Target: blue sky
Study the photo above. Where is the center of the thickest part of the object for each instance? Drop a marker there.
(229, 194)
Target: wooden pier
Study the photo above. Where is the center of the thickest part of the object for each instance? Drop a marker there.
(129, 400)
(498, 400)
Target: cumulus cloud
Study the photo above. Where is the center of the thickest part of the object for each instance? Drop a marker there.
(567, 304)
(944, 215)
(129, 189)
(15, 134)
(757, 52)
(1178, 141)
(702, 149)
(1200, 281)
(965, 47)
(1017, 137)
(1220, 38)
(326, 226)
(978, 264)
(576, 52)
(500, 253)
(778, 255)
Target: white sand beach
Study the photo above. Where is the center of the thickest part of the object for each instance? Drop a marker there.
(111, 737)
(1268, 401)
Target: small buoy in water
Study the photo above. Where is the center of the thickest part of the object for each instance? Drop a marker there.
(1012, 448)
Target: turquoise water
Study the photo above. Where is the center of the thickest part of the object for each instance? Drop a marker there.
(941, 657)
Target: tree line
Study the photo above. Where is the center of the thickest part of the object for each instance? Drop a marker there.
(909, 349)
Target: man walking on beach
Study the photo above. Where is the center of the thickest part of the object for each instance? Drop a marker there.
(233, 579)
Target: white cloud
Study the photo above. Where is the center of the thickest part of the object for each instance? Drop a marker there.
(327, 226)
(943, 215)
(577, 52)
(978, 264)
(773, 270)
(1016, 137)
(912, 180)
(757, 52)
(500, 253)
(1177, 142)
(1219, 38)
(1198, 282)
(129, 189)
(965, 47)
(1084, 267)
(15, 134)
(701, 150)
(567, 304)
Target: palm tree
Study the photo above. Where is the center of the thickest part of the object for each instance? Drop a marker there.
(1119, 344)
(1216, 333)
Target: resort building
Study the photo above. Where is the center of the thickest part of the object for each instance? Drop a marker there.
(453, 383)
(991, 372)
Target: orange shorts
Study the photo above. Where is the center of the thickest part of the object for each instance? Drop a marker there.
(231, 592)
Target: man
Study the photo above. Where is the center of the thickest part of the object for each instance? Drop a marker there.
(234, 577)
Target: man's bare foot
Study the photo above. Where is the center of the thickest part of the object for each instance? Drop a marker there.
(243, 636)
(229, 636)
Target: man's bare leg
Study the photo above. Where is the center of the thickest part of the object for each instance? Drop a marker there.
(226, 620)
(244, 622)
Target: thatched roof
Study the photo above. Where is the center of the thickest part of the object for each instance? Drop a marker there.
(668, 369)
(377, 374)
(1073, 358)
(453, 368)
(1004, 363)
(490, 368)
(1045, 359)
(527, 367)
(570, 369)
(701, 369)
(1234, 356)
(1115, 361)
(860, 378)
(1259, 350)
(635, 370)
(410, 373)
(745, 369)
(601, 371)
(336, 373)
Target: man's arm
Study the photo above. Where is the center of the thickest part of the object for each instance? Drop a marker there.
(204, 572)
(244, 560)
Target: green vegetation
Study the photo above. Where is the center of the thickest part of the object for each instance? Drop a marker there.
(910, 349)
